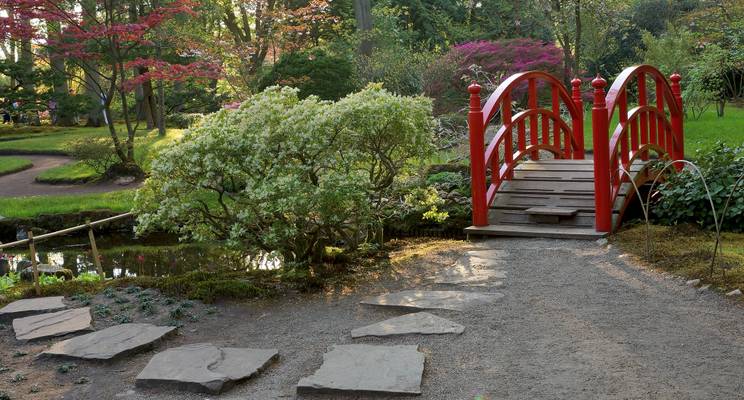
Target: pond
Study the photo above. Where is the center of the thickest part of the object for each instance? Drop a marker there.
(123, 255)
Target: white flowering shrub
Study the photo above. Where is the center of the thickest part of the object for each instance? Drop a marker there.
(287, 175)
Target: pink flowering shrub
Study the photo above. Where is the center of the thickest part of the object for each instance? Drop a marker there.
(489, 63)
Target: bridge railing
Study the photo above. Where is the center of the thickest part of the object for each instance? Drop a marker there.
(537, 129)
(642, 129)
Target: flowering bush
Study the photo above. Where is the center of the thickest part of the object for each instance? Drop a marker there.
(287, 175)
(488, 62)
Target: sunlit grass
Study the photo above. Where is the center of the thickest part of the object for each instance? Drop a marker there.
(9, 165)
(32, 206)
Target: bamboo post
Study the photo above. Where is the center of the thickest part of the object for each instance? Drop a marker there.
(94, 250)
(34, 266)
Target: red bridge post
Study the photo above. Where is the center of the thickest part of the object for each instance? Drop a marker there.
(578, 122)
(678, 144)
(477, 157)
(603, 210)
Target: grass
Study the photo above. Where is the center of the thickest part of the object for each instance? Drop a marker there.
(71, 173)
(686, 250)
(44, 139)
(700, 134)
(32, 206)
(9, 165)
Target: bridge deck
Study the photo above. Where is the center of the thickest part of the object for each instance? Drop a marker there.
(564, 185)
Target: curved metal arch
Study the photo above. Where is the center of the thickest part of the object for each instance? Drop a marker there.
(628, 74)
(505, 88)
(635, 113)
(615, 186)
(521, 116)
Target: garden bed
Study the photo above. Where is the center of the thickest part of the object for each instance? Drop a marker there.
(686, 250)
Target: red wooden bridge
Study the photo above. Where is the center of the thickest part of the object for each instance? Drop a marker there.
(530, 175)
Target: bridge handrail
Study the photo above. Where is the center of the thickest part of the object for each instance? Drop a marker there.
(650, 130)
(482, 158)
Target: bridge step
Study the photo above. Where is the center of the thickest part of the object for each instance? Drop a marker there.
(546, 198)
(536, 230)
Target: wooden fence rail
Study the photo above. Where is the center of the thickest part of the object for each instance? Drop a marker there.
(31, 241)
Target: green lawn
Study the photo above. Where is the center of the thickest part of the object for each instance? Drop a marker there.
(699, 134)
(54, 141)
(71, 173)
(28, 207)
(9, 165)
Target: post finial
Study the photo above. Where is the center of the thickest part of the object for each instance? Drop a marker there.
(576, 82)
(675, 77)
(474, 88)
(599, 82)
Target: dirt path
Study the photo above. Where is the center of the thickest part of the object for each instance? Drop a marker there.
(23, 183)
(578, 321)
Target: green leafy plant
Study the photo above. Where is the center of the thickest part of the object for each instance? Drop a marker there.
(685, 200)
(66, 367)
(101, 310)
(96, 153)
(8, 281)
(313, 72)
(45, 280)
(287, 175)
(89, 277)
(122, 319)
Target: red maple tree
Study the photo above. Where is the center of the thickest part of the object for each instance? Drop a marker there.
(109, 42)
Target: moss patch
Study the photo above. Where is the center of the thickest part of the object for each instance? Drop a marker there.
(686, 250)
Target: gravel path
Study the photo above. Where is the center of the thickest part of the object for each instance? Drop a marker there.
(578, 321)
(23, 183)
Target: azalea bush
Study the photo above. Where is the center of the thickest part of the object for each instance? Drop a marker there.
(488, 62)
(286, 174)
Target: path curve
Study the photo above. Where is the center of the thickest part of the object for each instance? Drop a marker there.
(23, 183)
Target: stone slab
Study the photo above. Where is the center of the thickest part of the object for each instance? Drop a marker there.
(204, 367)
(112, 342)
(463, 275)
(433, 299)
(52, 324)
(416, 323)
(26, 307)
(364, 369)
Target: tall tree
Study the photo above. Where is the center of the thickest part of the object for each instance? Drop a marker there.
(363, 15)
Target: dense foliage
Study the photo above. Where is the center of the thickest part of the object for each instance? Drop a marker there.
(288, 174)
(685, 200)
(489, 63)
(313, 72)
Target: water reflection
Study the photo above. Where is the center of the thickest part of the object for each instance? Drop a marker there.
(139, 260)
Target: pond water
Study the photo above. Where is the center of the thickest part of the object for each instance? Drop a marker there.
(125, 256)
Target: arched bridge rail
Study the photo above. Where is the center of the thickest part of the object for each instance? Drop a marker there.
(652, 124)
(537, 129)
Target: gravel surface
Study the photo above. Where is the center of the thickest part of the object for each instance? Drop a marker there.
(23, 183)
(578, 321)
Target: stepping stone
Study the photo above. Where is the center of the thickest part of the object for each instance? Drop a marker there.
(430, 299)
(52, 324)
(418, 323)
(487, 254)
(204, 367)
(26, 307)
(111, 342)
(464, 275)
(364, 369)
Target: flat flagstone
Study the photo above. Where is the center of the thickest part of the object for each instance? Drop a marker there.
(204, 367)
(416, 323)
(26, 307)
(431, 299)
(52, 324)
(111, 342)
(365, 369)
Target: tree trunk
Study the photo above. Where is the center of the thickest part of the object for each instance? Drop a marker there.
(363, 14)
(577, 41)
(92, 84)
(61, 89)
(26, 61)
